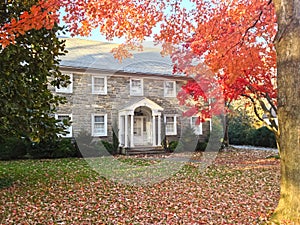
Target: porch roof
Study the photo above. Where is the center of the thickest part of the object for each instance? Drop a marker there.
(141, 102)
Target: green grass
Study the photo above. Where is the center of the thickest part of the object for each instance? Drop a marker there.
(70, 170)
(30, 172)
(100, 190)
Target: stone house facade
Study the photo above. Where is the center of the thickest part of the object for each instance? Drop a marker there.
(136, 99)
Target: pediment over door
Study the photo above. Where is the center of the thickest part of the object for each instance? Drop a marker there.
(144, 102)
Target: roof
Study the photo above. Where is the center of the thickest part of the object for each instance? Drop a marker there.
(95, 55)
(142, 102)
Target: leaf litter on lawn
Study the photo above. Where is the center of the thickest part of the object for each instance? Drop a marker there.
(239, 187)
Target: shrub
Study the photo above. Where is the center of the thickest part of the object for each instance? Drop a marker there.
(201, 146)
(106, 148)
(172, 146)
(85, 145)
(66, 148)
(188, 140)
(115, 144)
(265, 138)
(241, 133)
(12, 148)
(53, 148)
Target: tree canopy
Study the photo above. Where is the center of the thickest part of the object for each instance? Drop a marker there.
(27, 104)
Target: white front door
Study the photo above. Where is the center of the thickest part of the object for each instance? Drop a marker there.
(138, 130)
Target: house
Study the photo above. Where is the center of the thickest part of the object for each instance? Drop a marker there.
(136, 99)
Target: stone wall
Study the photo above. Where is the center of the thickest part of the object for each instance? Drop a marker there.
(82, 104)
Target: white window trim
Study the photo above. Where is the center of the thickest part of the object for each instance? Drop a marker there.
(68, 89)
(174, 125)
(105, 126)
(105, 85)
(198, 129)
(174, 89)
(69, 128)
(139, 94)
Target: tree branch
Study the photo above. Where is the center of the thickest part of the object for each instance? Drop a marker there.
(254, 106)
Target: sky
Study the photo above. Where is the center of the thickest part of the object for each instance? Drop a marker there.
(95, 35)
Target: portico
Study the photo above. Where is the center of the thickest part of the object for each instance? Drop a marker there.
(140, 124)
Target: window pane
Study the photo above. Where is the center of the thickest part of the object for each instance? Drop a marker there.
(99, 81)
(99, 119)
(194, 119)
(136, 83)
(197, 127)
(136, 87)
(99, 125)
(63, 117)
(170, 127)
(170, 119)
(169, 88)
(169, 85)
(99, 84)
(99, 128)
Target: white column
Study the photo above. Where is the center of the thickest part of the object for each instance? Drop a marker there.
(126, 131)
(159, 131)
(131, 131)
(120, 129)
(153, 131)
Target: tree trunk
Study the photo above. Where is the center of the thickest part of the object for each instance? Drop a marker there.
(288, 69)
(225, 142)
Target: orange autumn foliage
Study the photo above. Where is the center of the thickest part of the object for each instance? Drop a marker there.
(42, 15)
(233, 38)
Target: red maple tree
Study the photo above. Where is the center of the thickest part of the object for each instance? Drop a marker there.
(234, 51)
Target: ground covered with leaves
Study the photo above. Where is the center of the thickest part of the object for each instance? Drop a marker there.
(238, 187)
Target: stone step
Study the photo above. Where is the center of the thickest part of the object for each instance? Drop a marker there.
(147, 150)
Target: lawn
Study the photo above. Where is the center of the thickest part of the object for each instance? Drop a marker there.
(239, 187)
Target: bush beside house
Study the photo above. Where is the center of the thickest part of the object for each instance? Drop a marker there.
(15, 148)
(243, 134)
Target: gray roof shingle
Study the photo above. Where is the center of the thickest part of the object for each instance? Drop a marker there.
(97, 55)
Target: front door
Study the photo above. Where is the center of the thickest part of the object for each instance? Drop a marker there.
(138, 130)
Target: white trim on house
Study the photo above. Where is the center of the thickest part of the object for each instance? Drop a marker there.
(102, 87)
(68, 89)
(198, 128)
(69, 128)
(169, 88)
(170, 124)
(126, 123)
(101, 129)
(135, 88)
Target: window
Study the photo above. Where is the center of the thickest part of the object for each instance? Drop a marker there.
(170, 89)
(99, 125)
(67, 118)
(99, 85)
(197, 127)
(136, 87)
(68, 89)
(170, 123)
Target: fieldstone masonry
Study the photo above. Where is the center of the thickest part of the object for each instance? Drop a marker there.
(82, 103)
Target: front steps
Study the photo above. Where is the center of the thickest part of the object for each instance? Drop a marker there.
(144, 150)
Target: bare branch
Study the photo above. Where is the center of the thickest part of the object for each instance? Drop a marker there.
(254, 106)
